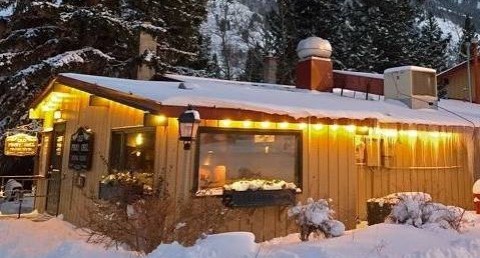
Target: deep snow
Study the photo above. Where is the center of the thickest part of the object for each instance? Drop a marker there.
(55, 238)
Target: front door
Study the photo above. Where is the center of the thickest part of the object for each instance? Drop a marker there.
(55, 169)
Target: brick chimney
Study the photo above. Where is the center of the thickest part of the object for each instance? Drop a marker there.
(146, 43)
(315, 68)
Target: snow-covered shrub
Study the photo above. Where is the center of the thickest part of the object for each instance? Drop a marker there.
(418, 210)
(316, 217)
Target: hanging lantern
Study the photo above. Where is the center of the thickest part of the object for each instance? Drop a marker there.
(188, 126)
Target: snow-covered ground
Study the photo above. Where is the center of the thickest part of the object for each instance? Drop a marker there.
(56, 238)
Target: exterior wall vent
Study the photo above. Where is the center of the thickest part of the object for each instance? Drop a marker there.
(415, 86)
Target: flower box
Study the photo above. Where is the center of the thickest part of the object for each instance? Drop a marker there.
(108, 191)
(259, 198)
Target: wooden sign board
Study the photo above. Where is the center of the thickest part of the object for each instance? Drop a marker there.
(21, 145)
(81, 150)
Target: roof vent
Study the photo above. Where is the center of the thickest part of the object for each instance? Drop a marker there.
(412, 85)
(314, 46)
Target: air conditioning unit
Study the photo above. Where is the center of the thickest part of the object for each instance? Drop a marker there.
(415, 86)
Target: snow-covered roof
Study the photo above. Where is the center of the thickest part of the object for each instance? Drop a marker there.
(361, 74)
(284, 100)
(409, 68)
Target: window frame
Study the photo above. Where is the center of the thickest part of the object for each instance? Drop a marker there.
(249, 131)
(127, 130)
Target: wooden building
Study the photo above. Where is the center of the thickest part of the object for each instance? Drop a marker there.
(330, 146)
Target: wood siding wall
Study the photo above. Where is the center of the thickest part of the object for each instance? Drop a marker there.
(329, 168)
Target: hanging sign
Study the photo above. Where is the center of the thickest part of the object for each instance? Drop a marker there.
(81, 150)
(21, 145)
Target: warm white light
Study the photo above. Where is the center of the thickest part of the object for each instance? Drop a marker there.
(412, 133)
(226, 122)
(265, 124)
(57, 115)
(139, 139)
(161, 118)
(247, 123)
(334, 127)
(302, 126)
(389, 132)
(435, 134)
(318, 127)
(283, 125)
(350, 128)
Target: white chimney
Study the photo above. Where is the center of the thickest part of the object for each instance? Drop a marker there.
(412, 85)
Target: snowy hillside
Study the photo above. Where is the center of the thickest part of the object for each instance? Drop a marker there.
(233, 28)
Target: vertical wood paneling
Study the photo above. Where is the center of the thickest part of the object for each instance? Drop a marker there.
(329, 169)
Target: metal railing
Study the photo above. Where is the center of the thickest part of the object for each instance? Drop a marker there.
(29, 190)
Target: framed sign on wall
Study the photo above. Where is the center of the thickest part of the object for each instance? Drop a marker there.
(21, 145)
(81, 150)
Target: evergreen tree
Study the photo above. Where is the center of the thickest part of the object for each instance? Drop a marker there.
(282, 39)
(254, 65)
(468, 35)
(432, 46)
(43, 38)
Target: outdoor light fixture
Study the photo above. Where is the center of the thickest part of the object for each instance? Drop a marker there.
(188, 126)
(57, 115)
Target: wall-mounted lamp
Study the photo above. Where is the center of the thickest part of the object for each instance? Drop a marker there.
(57, 115)
(188, 126)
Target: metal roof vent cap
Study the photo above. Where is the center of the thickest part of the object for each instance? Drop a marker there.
(314, 46)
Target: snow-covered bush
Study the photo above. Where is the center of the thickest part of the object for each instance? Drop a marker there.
(418, 210)
(316, 217)
(260, 184)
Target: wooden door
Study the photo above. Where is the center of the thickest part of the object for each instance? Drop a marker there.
(54, 173)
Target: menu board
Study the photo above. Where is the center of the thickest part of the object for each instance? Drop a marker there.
(81, 150)
(21, 145)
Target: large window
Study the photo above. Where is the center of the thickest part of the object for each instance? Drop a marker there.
(133, 151)
(227, 155)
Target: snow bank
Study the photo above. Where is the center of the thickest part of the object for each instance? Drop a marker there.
(53, 239)
(232, 245)
(57, 239)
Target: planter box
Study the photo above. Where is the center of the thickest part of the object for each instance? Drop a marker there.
(118, 192)
(377, 212)
(259, 198)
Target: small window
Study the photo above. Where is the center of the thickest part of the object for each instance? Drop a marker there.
(229, 155)
(133, 151)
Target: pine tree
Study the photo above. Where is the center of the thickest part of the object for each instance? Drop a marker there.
(432, 46)
(254, 65)
(282, 39)
(43, 38)
(468, 35)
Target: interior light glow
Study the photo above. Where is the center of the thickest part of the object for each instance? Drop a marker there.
(302, 125)
(334, 127)
(265, 124)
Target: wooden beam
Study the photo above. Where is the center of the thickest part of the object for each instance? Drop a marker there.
(154, 120)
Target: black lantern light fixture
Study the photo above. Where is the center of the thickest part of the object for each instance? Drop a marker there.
(188, 126)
